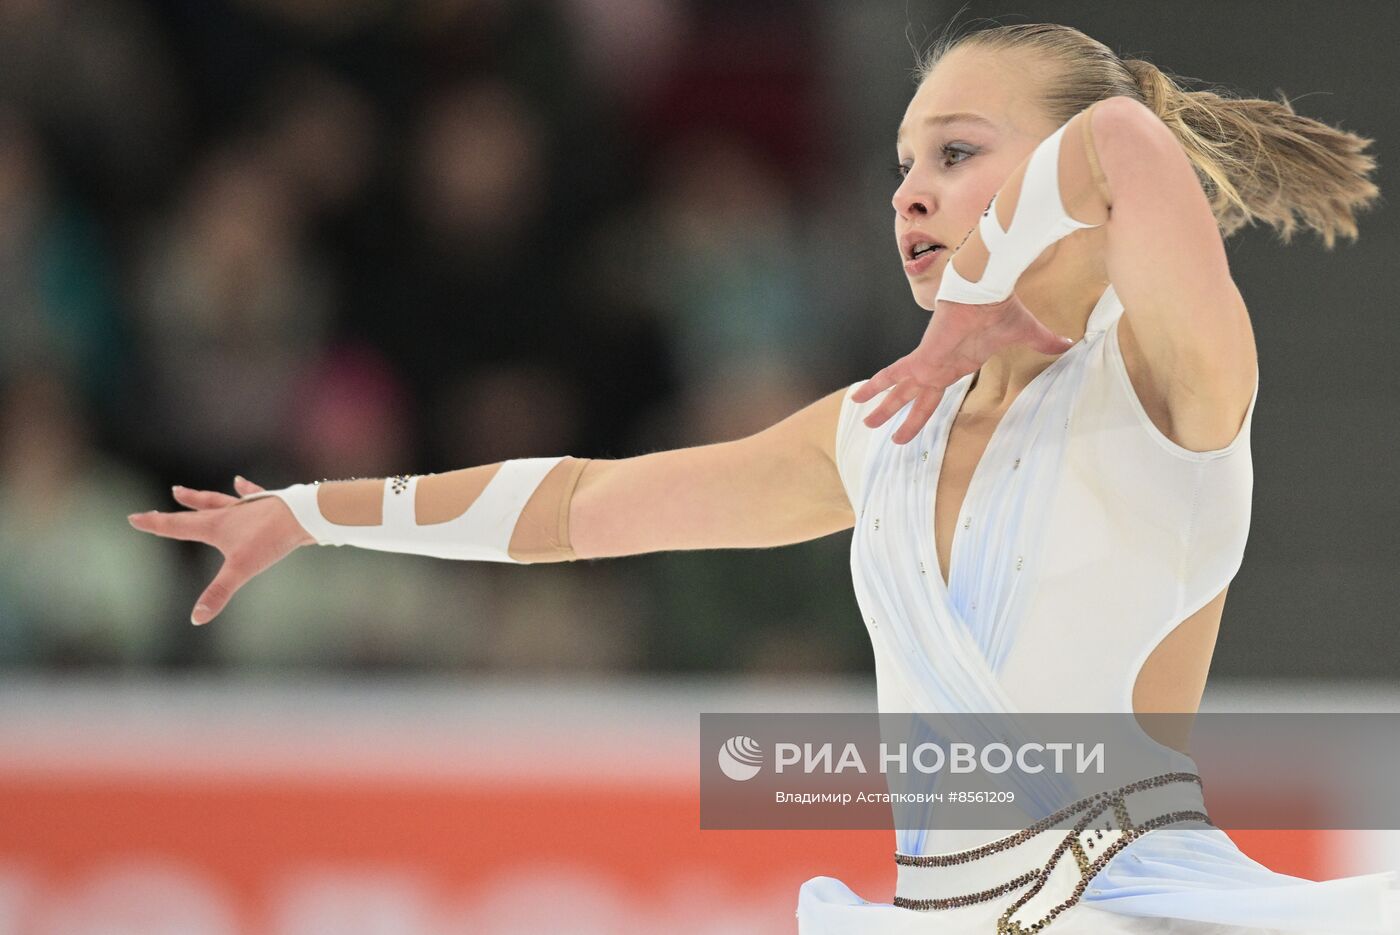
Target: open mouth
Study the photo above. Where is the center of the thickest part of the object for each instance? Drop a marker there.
(922, 258)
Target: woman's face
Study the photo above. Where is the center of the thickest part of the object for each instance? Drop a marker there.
(968, 127)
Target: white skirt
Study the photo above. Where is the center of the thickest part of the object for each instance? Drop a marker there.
(1166, 881)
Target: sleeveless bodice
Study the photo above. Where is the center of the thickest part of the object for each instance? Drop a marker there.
(1085, 537)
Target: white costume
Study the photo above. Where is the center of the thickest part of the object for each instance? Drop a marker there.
(1085, 537)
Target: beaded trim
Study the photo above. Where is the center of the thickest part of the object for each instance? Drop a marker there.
(1020, 837)
(1005, 925)
(969, 899)
(1095, 805)
(398, 482)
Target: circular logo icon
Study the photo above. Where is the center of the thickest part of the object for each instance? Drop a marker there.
(740, 758)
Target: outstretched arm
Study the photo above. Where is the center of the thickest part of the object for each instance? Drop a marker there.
(776, 487)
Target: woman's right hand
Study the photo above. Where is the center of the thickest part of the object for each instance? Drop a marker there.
(253, 536)
(959, 339)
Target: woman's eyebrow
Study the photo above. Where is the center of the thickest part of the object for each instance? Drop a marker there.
(962, 116)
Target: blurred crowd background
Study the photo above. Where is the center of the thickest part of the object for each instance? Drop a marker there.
(304, 239)
(297, 239)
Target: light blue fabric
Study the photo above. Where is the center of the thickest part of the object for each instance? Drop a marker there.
(1201, 874)
(949, 639)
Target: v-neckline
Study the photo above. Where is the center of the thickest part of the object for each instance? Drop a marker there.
(1100, 317)
(945, 587)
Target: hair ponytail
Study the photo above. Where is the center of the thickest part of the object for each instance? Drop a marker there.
(1257, 159)
(1260, 160)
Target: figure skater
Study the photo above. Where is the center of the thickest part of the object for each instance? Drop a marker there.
(1050, 494)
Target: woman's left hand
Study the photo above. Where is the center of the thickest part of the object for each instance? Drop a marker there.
(253, 535)
(959, 340)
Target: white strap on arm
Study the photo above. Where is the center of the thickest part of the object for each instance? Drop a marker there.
(482, 533)
(1038, 220)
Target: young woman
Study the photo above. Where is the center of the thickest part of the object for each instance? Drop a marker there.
(1051, 522)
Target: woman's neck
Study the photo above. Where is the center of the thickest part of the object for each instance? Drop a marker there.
(1064, 308)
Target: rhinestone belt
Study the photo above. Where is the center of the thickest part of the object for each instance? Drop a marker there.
(1092, 807)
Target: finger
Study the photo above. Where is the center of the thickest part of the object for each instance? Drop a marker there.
(194, 527)
(216, 597)
(919, 414)
(201, 499)
(886, 378)
(1050, 343)
(1044, 340)
(894, 401)
(245, 486)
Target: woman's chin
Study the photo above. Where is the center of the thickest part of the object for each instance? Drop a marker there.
(925, 294)
(924, 286)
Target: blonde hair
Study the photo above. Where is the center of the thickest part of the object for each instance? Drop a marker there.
(1256, 159)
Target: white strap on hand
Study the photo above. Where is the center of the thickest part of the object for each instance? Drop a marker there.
(1038, 220)
(482, 533)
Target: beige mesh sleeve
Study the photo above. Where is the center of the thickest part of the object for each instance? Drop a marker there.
(1093, 154)
(510, 511)
(542, 532)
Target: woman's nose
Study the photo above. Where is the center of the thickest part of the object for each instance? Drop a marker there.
(907, 203)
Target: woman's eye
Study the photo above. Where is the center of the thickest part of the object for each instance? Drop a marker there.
(902, 169)
(953, 150)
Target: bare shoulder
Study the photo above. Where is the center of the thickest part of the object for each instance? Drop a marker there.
(801, 450)
(812, 427)
(1200, 409)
